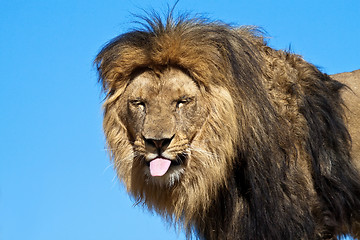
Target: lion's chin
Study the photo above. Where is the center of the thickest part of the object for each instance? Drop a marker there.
(170, 178)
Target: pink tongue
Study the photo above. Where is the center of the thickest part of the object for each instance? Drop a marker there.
(159, 166)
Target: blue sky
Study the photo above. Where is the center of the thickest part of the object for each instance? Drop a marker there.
(56, 181)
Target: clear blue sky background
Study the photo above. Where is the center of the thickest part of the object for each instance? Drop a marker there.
(56, 181)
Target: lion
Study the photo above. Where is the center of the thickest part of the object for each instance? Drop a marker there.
(227, 137)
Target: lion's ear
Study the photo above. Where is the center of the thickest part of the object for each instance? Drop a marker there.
(102, 74)
(107, 73)
(118, 61)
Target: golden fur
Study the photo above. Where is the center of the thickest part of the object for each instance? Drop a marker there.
(256, 136)
(351, 97)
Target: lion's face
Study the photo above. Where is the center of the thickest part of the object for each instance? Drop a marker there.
(167, 133)
(164, 111)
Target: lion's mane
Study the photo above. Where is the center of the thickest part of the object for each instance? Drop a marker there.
(276, 163)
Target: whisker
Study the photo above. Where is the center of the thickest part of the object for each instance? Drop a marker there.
(114, 181)
(107, 168)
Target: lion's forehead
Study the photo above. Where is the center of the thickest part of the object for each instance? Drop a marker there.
(172, 83)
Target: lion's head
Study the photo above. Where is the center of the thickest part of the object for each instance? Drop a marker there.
(210, 127)
(165, 116)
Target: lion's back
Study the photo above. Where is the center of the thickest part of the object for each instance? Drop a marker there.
(352, 102)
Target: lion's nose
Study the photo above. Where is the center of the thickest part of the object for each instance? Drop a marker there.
(159, 144)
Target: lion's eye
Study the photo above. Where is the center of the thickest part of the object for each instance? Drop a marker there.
(183, 101)
(138, 103)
